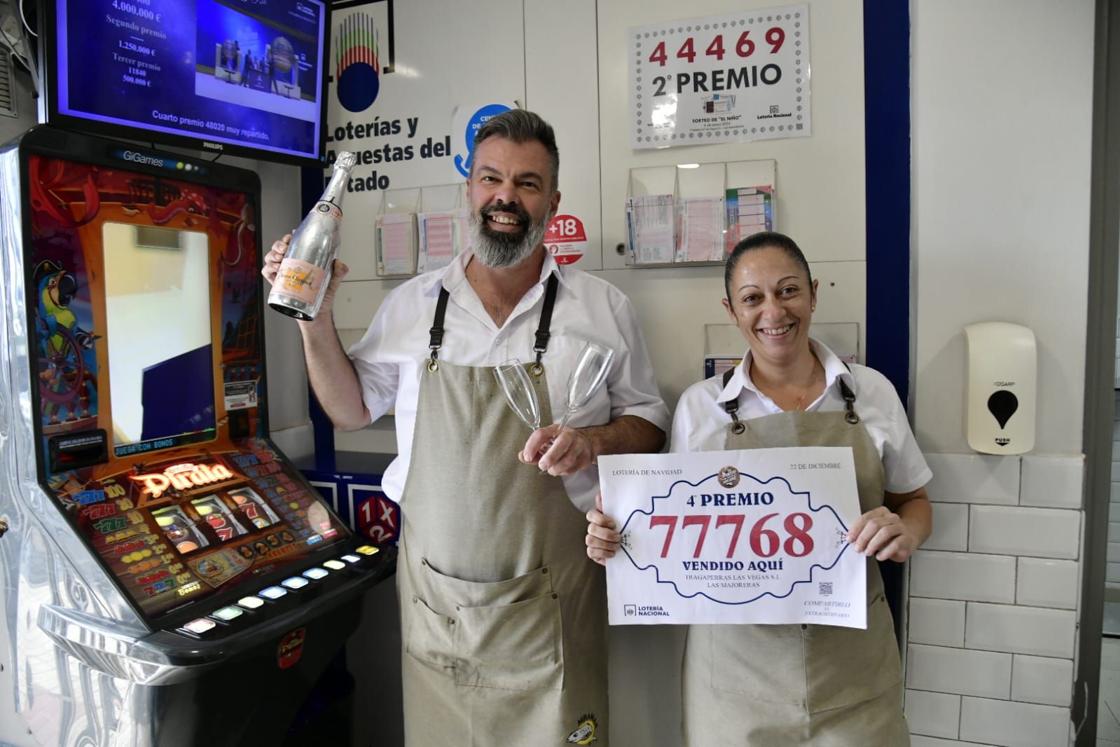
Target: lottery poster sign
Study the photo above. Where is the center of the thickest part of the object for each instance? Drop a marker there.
(720, 79)
(756, 536)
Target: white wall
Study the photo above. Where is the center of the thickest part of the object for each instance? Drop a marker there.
(1001, 140)
(1001, 106)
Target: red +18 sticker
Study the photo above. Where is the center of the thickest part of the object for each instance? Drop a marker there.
(565, 239)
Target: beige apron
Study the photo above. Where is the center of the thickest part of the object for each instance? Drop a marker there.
(503, 616)
(783, 685)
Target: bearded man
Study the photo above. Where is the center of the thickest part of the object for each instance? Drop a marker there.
(503, 615)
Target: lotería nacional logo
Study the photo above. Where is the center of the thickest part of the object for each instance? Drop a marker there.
(585, 732)
(728, 477)
(357, 62)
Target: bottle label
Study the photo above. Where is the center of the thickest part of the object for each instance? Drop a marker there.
(329, 208)
(300, 280)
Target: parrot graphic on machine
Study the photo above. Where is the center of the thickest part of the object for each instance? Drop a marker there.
(66, 350)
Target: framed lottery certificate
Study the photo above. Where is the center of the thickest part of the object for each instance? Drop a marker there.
(720, 79)
(755, 536)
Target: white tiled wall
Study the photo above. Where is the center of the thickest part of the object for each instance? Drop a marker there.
(1042, 582)
(1006, 722)
(993, 596)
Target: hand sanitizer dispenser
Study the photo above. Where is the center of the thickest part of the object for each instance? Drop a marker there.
(1002, 379)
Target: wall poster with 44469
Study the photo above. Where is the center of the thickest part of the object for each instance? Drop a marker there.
(720, 79)
(756, 536)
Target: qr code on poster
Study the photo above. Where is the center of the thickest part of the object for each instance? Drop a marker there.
(826, 588)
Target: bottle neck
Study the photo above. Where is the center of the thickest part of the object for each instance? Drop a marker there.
(336, 187)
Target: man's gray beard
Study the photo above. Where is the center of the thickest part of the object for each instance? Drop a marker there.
(495, 249)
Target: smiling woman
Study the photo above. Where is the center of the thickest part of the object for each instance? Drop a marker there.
(771, 296)
(798, 684)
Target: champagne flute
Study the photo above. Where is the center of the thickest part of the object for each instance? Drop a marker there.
(589, 374)
(520, 394)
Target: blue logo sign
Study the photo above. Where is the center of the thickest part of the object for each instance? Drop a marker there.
(479, 118)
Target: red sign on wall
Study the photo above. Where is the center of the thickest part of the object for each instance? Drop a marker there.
(565, 239)
(377, 517)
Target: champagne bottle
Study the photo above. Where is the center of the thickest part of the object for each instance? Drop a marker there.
(305, 271)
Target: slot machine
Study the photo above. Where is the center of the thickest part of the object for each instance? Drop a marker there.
(166, 575)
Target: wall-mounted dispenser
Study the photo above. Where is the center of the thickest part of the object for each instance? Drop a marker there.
(1002, 382)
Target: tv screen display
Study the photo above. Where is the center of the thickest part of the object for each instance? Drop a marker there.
(239, 76)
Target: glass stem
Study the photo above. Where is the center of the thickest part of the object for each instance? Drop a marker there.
(563, 422)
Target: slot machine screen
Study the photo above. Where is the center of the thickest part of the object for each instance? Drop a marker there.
(170, 365)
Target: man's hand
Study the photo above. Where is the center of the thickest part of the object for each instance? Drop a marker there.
(275, 256)
(558, 451)
(602, 538)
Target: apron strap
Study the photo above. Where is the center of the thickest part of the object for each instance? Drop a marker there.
(435, 339)
(849, 402)
(731, 406)
(543, 333)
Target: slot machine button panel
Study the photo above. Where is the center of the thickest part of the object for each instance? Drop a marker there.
(272, 593)
(227, 614)
(199, 628)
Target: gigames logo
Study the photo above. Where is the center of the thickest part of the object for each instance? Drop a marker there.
(131, 155)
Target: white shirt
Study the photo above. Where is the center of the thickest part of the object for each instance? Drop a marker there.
(700, 422)
(389, 356)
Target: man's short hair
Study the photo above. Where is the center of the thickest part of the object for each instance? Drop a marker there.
(522, 126)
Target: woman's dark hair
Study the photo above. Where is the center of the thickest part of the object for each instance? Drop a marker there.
(764, 240)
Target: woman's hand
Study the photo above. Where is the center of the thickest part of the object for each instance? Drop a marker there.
(883, 533)
(602, 539)
(894, 530)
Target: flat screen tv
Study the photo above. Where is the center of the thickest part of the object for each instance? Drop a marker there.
(246, 77)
